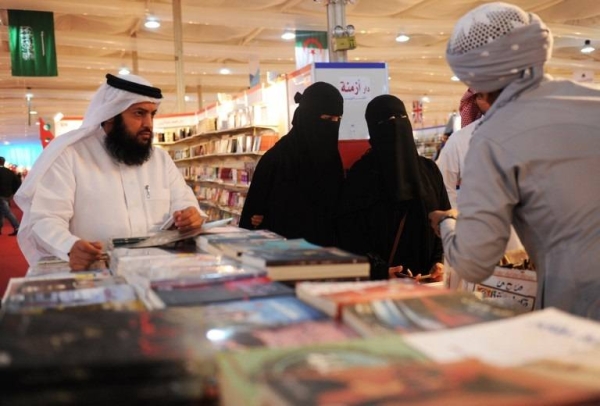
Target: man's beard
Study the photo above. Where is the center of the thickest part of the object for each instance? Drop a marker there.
(123, 146)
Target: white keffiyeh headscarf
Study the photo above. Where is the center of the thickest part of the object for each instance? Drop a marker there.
(499, 46)
(108, 102)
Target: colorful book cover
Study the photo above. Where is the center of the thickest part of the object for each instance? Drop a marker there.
(297, 259)
(427, 313)
(205, 242)
(331, 296)
(78, 292)
(240, 374)
(548, 334)
(465, 383)
(240, 289)
(234, 247)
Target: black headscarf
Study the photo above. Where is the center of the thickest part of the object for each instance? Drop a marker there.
(316, 139)
(393, 143)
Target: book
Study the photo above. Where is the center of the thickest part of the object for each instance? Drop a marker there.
(508, 287)
(283, 336)
(331, 296)
(464, 383)
(297, 259)
(548, 334)
(234, 244)
(107, 349)
(76, 292)
(425, 313)
(156, 268)
(166, 237)
(241, 373)
(50, 266)
(240, 289)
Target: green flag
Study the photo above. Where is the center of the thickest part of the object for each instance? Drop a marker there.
(32, 43)
(311, 46)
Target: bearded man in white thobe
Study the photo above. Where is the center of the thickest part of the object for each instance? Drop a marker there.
(103, 180)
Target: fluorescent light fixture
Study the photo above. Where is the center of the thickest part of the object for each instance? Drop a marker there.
(402, 38)
(225, 71)
(151, 22)
(32, 112)
(288, 35)
(124, 71)
(587, 47)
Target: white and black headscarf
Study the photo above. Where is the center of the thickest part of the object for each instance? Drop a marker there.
(499, 46)
(111, 99)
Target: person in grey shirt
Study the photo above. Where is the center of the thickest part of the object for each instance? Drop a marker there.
(533, 161)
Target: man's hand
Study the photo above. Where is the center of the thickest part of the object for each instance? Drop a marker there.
(187, 219)
(436, 216)
(84, 253)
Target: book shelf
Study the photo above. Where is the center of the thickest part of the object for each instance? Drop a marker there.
(217, 148)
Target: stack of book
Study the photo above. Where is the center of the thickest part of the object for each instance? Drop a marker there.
(72, 292)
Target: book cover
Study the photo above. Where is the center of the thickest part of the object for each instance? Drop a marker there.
(78, 292)
(99, 349)
(240, 289)
(426, 313)
(240, 374)
(548, 334)
(233, 245)
(283, 336)
(297, 259)
(465, 383)
(161, 269)
(511, 288)
(331, 296)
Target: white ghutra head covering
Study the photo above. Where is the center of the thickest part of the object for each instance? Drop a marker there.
(499, 46)
(113, 97)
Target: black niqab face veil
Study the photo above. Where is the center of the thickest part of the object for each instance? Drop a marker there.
(318, 99)
(393, 143)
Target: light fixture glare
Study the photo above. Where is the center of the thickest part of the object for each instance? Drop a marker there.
(151, 22)
(587, 47)
(402, 38)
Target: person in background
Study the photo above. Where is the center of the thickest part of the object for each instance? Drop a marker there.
(387, 195)
(452, 157)
(103, 180)
(9, 183)
(295, 187)
(533, 162)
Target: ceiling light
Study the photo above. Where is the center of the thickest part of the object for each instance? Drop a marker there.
(124, 71)
(425, 99)
(28, 96)
(587, 47)
(32, 112)
(151, 22)
(58, 116)
(288, 35)
(402, 38)
(455, 78)
(225, 71)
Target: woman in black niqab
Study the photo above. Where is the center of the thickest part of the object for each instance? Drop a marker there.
(391, 182)
(296, 184)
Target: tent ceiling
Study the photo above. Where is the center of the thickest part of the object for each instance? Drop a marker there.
(94, 38)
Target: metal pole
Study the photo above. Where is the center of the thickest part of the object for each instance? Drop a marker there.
(336, 15)
(178, 36)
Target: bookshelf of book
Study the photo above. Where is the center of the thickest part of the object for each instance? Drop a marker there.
(217, 148)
